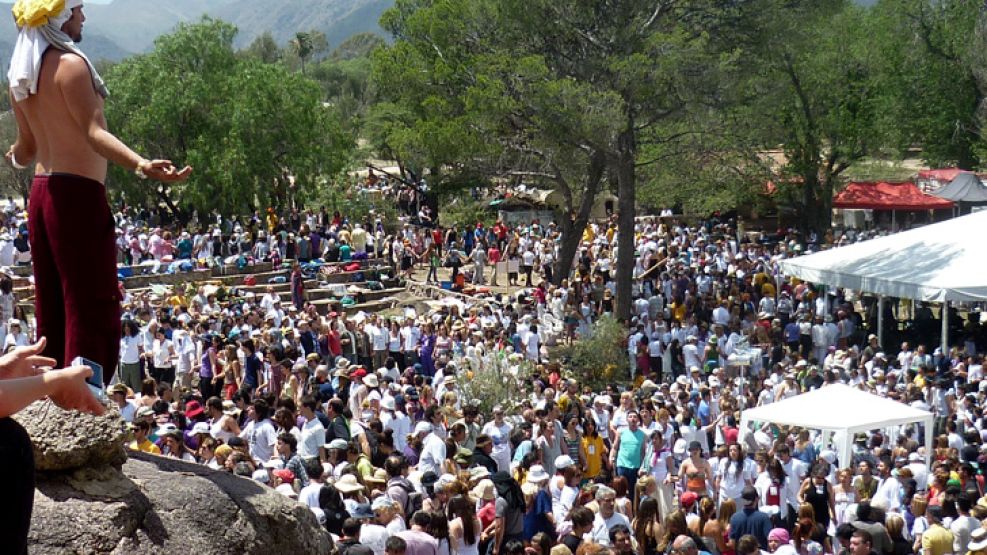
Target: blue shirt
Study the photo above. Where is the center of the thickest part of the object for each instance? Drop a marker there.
(535, 520)
(750, 521)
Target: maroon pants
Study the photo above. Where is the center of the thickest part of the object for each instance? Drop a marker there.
(77, 303)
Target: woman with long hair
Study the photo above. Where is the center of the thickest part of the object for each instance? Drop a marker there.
(508, 527)
(817, 492)
(595, 450)
(808, 535)
(773, 492)
(896, 530)
(464, 526)
(844, 494)
(438, 528)
(646, 527)
(718, 529)
(734, 473)
(232, 376)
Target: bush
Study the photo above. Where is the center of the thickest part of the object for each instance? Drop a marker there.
(464, 212)
(502, 382)
(599, 359)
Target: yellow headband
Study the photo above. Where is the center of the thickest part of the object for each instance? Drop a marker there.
(35, 13)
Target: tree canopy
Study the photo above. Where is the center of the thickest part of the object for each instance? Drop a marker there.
(257, 133)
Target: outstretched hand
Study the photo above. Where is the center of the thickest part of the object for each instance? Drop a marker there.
(71, 391)
(165, 170)
(24, 362)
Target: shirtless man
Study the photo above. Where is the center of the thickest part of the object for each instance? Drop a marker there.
(58, 104)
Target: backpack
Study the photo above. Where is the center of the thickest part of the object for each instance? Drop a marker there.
(415, 500)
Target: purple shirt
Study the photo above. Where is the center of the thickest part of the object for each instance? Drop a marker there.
(419, 543)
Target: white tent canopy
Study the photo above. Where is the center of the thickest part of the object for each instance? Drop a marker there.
(941, 262)
(838, 409)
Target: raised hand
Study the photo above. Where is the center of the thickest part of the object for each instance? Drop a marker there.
(24, 362)
(164, 170)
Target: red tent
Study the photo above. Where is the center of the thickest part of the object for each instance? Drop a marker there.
(887, 196)
(943, 175)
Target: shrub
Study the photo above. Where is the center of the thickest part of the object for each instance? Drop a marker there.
(599, 359)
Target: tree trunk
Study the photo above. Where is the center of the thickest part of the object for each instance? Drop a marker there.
(625, 169)
(572, 227)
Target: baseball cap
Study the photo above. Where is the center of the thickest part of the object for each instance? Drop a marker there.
(749, 495)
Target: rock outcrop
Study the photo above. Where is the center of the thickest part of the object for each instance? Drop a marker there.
(90, 498)
(66, 440)
(160, 505)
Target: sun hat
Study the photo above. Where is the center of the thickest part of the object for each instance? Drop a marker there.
(978, 539)
(363, 510)
(200, 428)
(563, 461)
(193, 409)
(348, 484)
(485, 490)
(537, 474)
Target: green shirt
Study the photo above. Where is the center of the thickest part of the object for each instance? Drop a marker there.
(629, 454)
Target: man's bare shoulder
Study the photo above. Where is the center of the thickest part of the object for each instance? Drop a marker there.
(67, 68)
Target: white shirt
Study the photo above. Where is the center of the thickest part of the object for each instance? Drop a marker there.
(262, 437)
(309, 496)
(128, 411)
(313, 438)
(409, 337)
(129, 353)
(162, 353)
(601, 527)
(401, 424)
(433, 454)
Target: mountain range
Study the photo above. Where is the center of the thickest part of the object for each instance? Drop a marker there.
(125, 27)
(120, 28)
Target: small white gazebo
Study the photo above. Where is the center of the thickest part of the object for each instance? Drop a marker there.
(841, 409)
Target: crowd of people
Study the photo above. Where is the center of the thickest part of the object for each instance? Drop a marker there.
(365, 419)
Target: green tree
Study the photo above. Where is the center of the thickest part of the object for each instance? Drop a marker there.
(308, 44)
(563, 88)
(265, 49)
(256, 133)
(934, 62)
(816, 93)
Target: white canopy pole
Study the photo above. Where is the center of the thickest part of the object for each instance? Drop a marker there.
(944, 344)
(928, 441)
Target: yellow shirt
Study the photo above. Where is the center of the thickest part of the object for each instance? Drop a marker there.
(145, 447)
(593, 447)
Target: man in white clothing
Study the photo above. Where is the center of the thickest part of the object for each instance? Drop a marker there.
(313, 432)
(607, 517)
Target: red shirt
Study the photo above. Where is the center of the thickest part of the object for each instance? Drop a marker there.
(487, 514)
(335, 347)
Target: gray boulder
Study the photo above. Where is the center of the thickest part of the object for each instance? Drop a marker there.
(67, 440)
(160, 505)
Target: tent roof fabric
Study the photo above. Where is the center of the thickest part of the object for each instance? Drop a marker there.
(887, 196)
(945, 174)
(967, 187)
(946, 261)
(837, 407)
(841, 410)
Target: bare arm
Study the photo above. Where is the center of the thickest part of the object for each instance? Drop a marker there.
(25, 148)
(67, 388)
(86, 108)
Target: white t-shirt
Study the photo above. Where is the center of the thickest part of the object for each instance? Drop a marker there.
(262, 437)
(313, 437)
(129, 353)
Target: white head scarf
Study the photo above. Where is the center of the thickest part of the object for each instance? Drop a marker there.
(33, 40)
